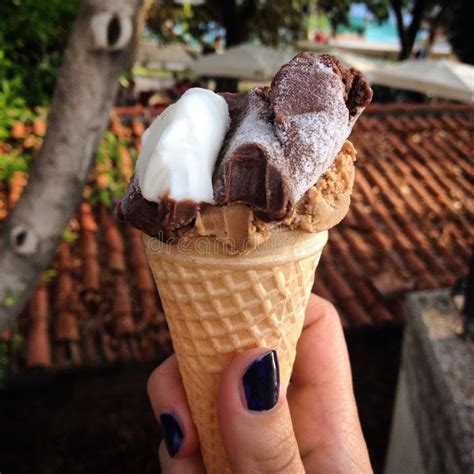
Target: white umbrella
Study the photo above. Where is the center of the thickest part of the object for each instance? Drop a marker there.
(434, 77)
(172, 57)
(363, 63)
(246, 61)
(440, 49)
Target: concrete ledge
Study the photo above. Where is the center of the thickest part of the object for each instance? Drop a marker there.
(433, 427)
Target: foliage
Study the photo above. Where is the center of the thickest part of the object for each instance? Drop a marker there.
(12, 106)
(434, 13)
(270, 22)
(12, 162)
(70, 235)
(12, 158)
(49, 275)
(110, 183)
(33, 34)
(337, 12)
(284, 22)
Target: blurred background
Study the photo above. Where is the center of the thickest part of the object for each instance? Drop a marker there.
(79, 340)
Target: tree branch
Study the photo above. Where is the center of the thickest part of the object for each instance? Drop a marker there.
(97, 53)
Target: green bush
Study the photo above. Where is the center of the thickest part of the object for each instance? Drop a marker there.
(33, 36)
(13, 107)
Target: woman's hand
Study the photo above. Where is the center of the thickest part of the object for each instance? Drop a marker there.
(315, 428)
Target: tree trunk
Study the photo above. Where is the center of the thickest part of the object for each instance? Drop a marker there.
(408, 35)
(417, 17)
(226, 84)
(397, 9)
(97, 52)
(235, 21)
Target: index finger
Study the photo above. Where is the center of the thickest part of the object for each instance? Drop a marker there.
(322, 360)
(321, 398)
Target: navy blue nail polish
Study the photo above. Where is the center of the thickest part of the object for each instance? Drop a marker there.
(172, 433)
(262, 382)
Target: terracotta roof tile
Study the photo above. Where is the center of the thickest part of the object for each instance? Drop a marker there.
(409, 227)
(389, 283)
(6, 335)
(15, 187)
(39, 127)
(38, 349)
(18, 131)
(126, 163)
(66, 327)
(137, 127)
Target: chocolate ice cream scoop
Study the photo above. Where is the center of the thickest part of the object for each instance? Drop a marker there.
(283, 138)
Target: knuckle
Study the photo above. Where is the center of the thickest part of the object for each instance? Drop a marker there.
(328, 309)
(323, 309)
(160, 372)
(281, 458)
(153, 379)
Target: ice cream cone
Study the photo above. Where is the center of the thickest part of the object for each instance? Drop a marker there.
(218, 305)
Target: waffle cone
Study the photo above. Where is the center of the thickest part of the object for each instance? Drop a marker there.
(218, 305)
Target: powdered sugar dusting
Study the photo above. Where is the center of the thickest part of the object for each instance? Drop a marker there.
(310, 140)
(256, 128)
(295, 128)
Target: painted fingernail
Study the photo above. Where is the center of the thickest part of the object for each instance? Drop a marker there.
(262, 382)
(172, 432)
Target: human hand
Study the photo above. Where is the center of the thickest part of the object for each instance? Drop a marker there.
(314, 428)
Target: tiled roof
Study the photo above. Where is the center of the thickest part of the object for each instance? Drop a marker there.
(409, 226)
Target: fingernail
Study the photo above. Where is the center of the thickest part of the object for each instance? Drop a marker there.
(262, 382)
(172, 432)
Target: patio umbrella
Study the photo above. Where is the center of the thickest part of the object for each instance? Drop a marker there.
(172, 57)
(364, 64)
(434, 77)
(248, 61)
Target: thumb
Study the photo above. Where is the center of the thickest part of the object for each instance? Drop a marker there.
(254, 417)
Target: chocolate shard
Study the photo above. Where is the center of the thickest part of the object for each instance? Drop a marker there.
(175, 214)
(157, 220)
(283, 138)
(137, 211)
(358, 93)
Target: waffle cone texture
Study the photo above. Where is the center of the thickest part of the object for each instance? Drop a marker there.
(218, 305)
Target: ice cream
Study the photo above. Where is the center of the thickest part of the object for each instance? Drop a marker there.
(322, 207)
(180, 149)
(234, 256)
(280, 152)
(283, 138)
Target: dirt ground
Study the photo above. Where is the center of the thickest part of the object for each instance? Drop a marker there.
(101, 422)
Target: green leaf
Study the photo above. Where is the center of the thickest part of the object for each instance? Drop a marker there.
(70, 235)
(10, 298)
(17, 342)
(49, 275)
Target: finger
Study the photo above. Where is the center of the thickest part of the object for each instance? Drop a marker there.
(254, 417)
(189, 465)
(322, 359)
(170, 406)
(321, 398)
